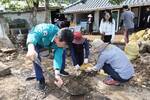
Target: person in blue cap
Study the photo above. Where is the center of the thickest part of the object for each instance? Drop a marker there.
(48, 36)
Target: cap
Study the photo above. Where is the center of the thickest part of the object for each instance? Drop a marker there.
(78, 39)
(77, 35)
(90, 15)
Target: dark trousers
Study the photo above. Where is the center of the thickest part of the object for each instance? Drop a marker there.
(64, 60)
(38, 69)
(79, 58)
(110, 71)
(107, 38)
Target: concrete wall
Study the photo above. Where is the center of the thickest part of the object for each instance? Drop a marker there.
(27, 16)
(4, 40)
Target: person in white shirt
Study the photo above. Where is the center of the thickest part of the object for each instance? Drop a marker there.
(107, 27)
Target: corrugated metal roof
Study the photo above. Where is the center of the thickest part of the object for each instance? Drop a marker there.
(91, 5)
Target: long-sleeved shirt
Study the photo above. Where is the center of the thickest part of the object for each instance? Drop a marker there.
(43, 35)
(117, 59)
(78, 49)
(108, 28)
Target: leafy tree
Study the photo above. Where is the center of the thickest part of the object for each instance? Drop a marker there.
(114, 2)
(33, 5)
(5, 1)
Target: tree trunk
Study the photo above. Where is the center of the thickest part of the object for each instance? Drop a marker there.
(34, 6)
(34, 14)
(47, 11)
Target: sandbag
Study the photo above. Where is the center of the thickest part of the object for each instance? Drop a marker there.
(133, 37)
(132, 50)
(140, 34)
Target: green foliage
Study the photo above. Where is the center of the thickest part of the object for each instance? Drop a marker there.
(33, 3)
(5, 1)
(116, 2)
(15, 7)
(30, 4)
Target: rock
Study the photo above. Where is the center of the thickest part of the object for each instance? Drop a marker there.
(8, 50)
(81, 97)
(4, 70)
(144, 47)
(145, 58)
(77, 85)
(1, 54)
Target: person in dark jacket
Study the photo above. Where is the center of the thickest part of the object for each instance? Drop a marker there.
(146, 18)
(79, 50)
(90, 23)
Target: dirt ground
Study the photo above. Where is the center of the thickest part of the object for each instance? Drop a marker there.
(79, 87)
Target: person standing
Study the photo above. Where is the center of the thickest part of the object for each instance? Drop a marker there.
(79, 50)
(146, 18)
(90, 23)
(127, 22)
(107, 27)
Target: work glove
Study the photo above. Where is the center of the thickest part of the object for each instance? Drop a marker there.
(77, 66)
(59, 81)
(85, 60)
(31, 54)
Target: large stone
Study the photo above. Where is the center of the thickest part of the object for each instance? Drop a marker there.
(8, 50)
(4, 70)
(77, 85)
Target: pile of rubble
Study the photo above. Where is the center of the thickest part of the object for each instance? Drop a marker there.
(139, 42)
(142, 71)
(138, 50)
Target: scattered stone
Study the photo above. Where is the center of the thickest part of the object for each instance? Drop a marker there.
(4, 70)
(1, 54)
(8, 50)
(145, 58)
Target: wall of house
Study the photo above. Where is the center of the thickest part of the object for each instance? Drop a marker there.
(137, 15)
(81, 17)
(27, 16)
(78, 17)
(96, 22)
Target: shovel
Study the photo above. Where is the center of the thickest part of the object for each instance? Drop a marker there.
(58, 82)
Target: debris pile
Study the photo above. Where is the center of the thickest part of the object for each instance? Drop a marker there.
(142, 71)
(138, 50)
(7, 54)
(138, 43)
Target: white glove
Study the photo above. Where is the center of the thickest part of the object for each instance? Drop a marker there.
(31, 54)
(85, 60)
(57, 73)
(77, 66)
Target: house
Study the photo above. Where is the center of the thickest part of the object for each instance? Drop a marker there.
(12, 15)
(20, 21)
(80, 10)
(23, 13)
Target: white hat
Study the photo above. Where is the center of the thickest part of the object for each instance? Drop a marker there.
(90, 15)
(97, 43)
